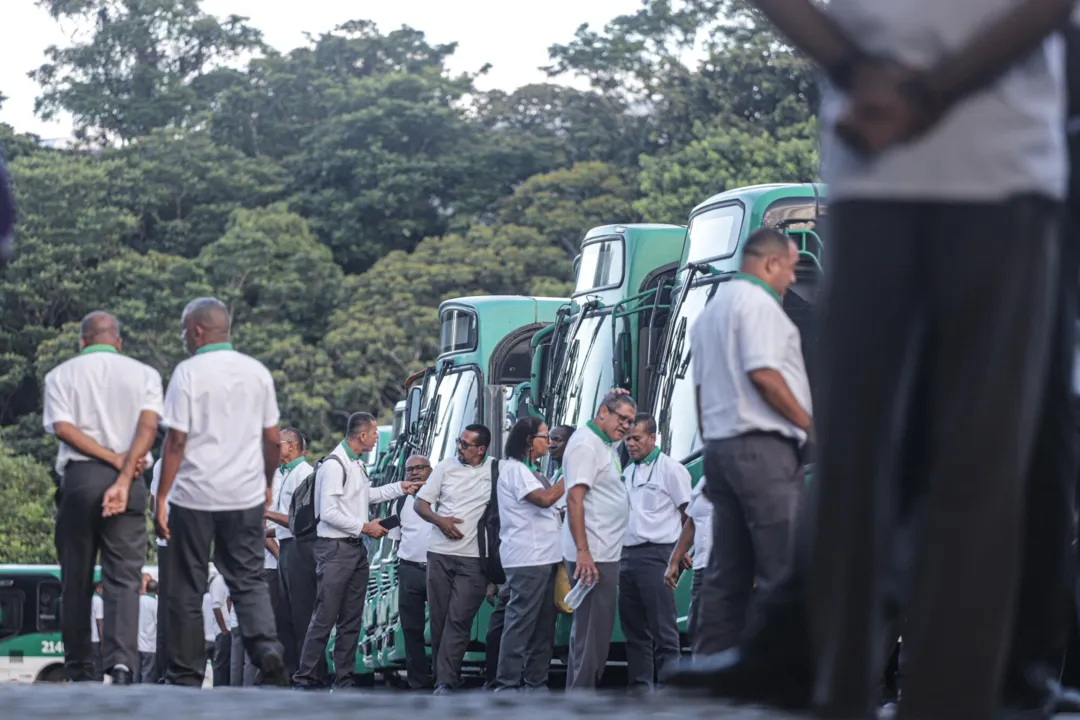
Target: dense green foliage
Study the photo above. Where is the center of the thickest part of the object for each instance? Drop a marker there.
(336, 193)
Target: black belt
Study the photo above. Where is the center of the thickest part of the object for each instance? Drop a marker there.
(645, 545)
(353, 541)
(282, 541)
(413, 563)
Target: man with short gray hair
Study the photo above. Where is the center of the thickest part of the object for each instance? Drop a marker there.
(221, 451)
(103, 408)
(597, 513)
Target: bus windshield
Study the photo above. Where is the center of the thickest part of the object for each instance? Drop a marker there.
(589, 375)
(601, 265)
(714, 233)
(677, 419)
(455, 403)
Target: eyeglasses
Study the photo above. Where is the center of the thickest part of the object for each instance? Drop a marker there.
(625, 420)
(541, 437)
(417, 468)
(461, 443)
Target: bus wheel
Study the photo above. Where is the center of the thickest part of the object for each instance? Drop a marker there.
(52, 674)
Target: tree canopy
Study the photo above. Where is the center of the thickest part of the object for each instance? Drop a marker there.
(335, 193)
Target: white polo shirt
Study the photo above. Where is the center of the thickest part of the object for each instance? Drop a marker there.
(154, 485)
(590, 461)
(529, 534)
(1006, 139)
(219, 597)
(742, 329)
(293, 474)
(700, 511)
(210, 625)
(223, 400)
(102, 393)
(269, 561)
(415, 533)
(147, 623)
(97, 612)
(342, 498)
(658, 486)
(462, 491)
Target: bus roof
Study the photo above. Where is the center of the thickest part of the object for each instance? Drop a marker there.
(627, 229)
(482, 303)
(767, 193)
(647, 247)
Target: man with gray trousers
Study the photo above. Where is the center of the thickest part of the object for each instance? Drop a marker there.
(343, 493)
(104, 409)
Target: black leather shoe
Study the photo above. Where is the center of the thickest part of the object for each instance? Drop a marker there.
(443, 690)
(121, 676)
(733, 676)
(272, 665)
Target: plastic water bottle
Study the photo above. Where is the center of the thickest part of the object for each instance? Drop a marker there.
(577, 594)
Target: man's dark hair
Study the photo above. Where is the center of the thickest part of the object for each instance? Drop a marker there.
(648, 420)
(766, 241)
(358, 422)
(520, 437)
(568, 429)
(613, 401)
(483, 435)
(151, 586)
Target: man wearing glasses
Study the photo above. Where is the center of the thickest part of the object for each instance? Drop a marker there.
(460, 489)
(598, 508)
(753, 405)
(412, 555)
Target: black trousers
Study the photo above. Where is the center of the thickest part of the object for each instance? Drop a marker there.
(81, 532)
(237, 540)
(412, 599)
(493, 638)
(934, 339)
(296, 601)
(161, 657)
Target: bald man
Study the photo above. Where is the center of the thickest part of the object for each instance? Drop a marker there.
(412, 578)
(103, 408)
(217, 470)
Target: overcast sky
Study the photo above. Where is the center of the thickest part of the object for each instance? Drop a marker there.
(513, 37)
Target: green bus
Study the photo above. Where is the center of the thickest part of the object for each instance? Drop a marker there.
(481, 376)
(712, 253)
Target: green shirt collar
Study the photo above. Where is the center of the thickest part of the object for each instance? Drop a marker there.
(98, 348)
(599, 433)
(214, 346)
(760, 283)
(291, 465)
(650, 458)
(349, 451)
(531, 465)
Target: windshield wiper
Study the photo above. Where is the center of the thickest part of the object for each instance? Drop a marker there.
(677, 342)
(584, 363)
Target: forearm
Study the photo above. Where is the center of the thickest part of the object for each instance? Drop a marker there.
(272, 546)
(171, 455)
(79, 441)
(685, 542)
(810, 30)
(145, 433)
(337, 517)
(220, 617)
(279, 518)
(575, 513)
(1000, 45)
(774, 390)
(386, 492)
(423, 509)
(547, 497)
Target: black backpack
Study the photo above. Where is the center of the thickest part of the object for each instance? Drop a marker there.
(303, 522)
(487, 533)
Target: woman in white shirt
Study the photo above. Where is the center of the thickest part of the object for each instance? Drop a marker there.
(531, 553)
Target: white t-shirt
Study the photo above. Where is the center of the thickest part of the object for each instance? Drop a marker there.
(223, 400)
(231, 620)
(210, 624)
(462, 491)
(102, 393)
(591, 461)
(147, 623)
(700, 511)
(97, 612)
(342, 501)
(295, 473)
(269, 561)
(154, 485)
(658, 487)
(415, 533)
(219, 596)
(742, 329)
(529, 534)
(1004, 140)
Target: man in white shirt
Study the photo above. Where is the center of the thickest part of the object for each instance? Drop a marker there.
(297, 583)
(97, 630)
(942, 139)
(148, 609)
(343, 494)
(659, 489)
(161, 657)
(103, 407)
(696, 534)
(412, 553)
(753, 400)
(221, 451)
(222, 660)
(597, 511)
(453, 500)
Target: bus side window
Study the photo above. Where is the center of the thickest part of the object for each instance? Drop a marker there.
(11, 612)
(48, 619)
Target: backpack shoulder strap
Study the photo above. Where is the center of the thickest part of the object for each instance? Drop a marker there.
(336, 459)
(494, 479)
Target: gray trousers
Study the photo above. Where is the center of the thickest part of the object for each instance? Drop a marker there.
(147, 668)
(412, 598)
(456, 590)
(694, 614)
(237, 540)
(95, 661)
(341, 567)
(647, 612)
(528, 637)
(755, 482)
(242, 670)
(81, 532)
(161, 657)
(590, 634)
(222, 662)
(297, 586)
(493, 637)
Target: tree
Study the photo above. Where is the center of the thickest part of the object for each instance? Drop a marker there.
(26, 510)
(147, 64)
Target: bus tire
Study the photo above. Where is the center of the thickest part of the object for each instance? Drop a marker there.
(51, 674)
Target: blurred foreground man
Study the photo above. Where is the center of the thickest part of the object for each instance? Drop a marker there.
(103, 407)
(942, 140)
